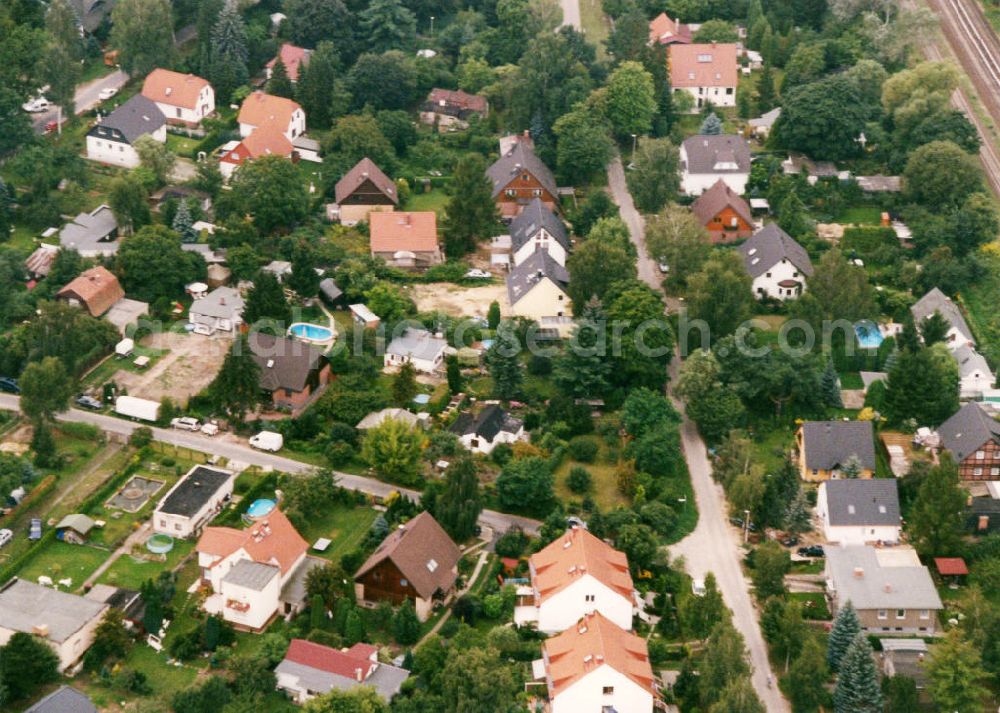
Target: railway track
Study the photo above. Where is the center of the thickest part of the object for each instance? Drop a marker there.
(977, 48)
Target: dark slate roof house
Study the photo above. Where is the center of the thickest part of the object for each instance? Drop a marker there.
(938, 301)
(64, 699)
(967, 430)
(769, 246)
(530, 272)
(518, 160)
(486, 424)
(827, 446)
(534, 218)
(195, 489)
(862, 502)
(284, 363)
(136, 117)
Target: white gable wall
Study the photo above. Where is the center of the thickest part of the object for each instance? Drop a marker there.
(717, 95)
(204, 107)
(564, 609)
(542, 241)
(600, 689)
(852, 534)
(766, 285)
(544, 299)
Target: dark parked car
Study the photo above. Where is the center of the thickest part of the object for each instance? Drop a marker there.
(9, 385)
(790, 541)
(811, 551)
(89, 402)
(35, 529)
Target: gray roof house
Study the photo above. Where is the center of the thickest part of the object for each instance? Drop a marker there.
(530, 272)
(64, 699)
(219, 310)
(482, 431)
(66, 621)
(769, 246)
(973, 372)
(968, 430)
(418, 347)
(720, 153)
(93, 234)
(521, 158)
(889, 588)
(534, 219)
(825, 447)
(310, 669)
(136, 117)
(763, 124)
(862, 502)
(938, 301)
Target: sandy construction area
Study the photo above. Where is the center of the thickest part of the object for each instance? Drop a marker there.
(459, 301)
(191, 365)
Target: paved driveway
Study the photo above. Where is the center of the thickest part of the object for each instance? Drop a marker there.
(571, 13)
(714, 545)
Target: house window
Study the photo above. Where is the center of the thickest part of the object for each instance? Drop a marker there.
(177, 526)
(768, 274)
(883, 614)
(900, 613)
(475, 443)
(588, 597)
(163, 523)
(980, 455)
(510, 192)
(994, 471)
(404, 583)
(925, 613)
(608, 690)
(977, 471)
(729, 90)
(178, 113)
(537, 192)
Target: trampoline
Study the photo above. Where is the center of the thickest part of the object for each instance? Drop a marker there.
(160, 544)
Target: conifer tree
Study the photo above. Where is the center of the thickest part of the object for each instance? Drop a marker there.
(830, 386)
(858, 688)
(183, 223)
(228, 54)
(406, 625)
(280, 85)
(503, 363)
(798, 516)
(583, 369)
(711, 126)
(236, 388)
(460, 503)
(404, 385)
(765, 90)
(845, 627)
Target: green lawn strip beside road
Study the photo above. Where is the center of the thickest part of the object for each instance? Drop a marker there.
(596, 26)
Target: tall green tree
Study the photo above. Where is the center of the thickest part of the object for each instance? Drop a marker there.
(857, 688)
(823, 118)
(152, 264)
(303, 278)
(720, 295)
(272, 191)
(471, 215)
(317, 84)
(129, 201)
(143, 33)
(388, 25)
(807, 677)
(936, 522)
(846, 628)
(738, 697)
(460, 502)
(725, 660)
(676, 238)
(830, 385)
(46, 387)
(266, 301)
(26, 664)
(940, 175)
(393, 450)
(313, 21)
(404, 385)
(183, 223)
(630, 100)
(155, 157)
(236, 388)
(228, 53)
(711, 126)
(503, 363)
(582, 370)
(583, 145)
(838, 290)
(922, 385)
(699, 615)
(208, 15)
(525, 485)
(593, 268)
(956, 675)
(280, 85)
(654, 179)
(406, 625)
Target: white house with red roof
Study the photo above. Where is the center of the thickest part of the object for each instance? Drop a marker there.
(294, 58)
(183, 98)
(256, 573)
(260, 109)
(309, 670)
(575, 575)
(708, 72)
(596, 666)
(267, 140)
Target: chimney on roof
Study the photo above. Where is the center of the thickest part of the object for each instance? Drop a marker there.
(525, 133)
(859, 572)
(270, 363)
(168, 90)
(359, 674)
(887, 588)
(41, 630)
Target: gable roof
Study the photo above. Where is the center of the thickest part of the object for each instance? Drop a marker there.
(25, 606)
(766, 120)
(521, 158)
(259, 109)
(174, 88)
(535, 217)
(321, 668)
(284, 363)
(858, 501)
(97, 288)
(89, 232)
(538, 265)
(292, 57)
(665, 31)
(40, 261)
(868, 581)
(829, 444)
(423, 553)
(64, 699)
(136, 117)
(455, 103)
(720, 153)
(270, 540)
(938, 301)
(967, 430)
(703, 65)
(413, 231)
(593, 642)
(575, 554)
(769, 246)
(486, 424)
(198, 486)
(713, 201)
(324, 658)
(417, 343)
(970, 362)
(78, 522)
(222, 302)
(365, 170)
(377, 418)
(267, 140)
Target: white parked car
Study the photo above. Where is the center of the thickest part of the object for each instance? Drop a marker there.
(210, 429)
(107, 93)
(664, 267)
(477, 274)
(5, 536)
(698, 587)
(36, 105)
(186, 423)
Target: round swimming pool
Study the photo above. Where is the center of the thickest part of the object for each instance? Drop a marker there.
(260, 508)
(313, 333)
(160, 544)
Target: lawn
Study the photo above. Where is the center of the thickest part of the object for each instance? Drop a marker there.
(59, 560)
(813, 605)
(851, 380)
(807, 567)
(861, 215)
(346, 527)
(980, 300)
(130, 572)
(107, 368)
(182, 145)
(595, 24)
(771, 446)
(605, 489)
(435, 200)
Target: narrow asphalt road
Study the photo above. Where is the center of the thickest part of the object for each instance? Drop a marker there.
(500, 522)
(87, 96)
(571, 13)
(713, 546)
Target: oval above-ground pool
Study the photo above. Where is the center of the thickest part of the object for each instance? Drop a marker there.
(261, 507)
(160, 544)
(312, 333)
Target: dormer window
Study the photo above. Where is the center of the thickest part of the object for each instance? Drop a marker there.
(704, 58)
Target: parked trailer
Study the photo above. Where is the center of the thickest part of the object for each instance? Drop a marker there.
(142, 409)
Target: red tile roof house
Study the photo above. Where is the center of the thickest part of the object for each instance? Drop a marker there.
(259, 109)
(268, 140)
(723, 213)
(255, 574)
(293, 58)
(183, 98)
(417, 561)
(95, 290)
(309, 670)
(708, 72)
(405, 239)
(452, 109)
(575, 575)
(363, 189)
(665, 31)
(292, 373)
(597, 666)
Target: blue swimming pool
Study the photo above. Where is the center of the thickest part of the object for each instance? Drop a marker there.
(311, 332)
(260, 508)
(869, 336)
